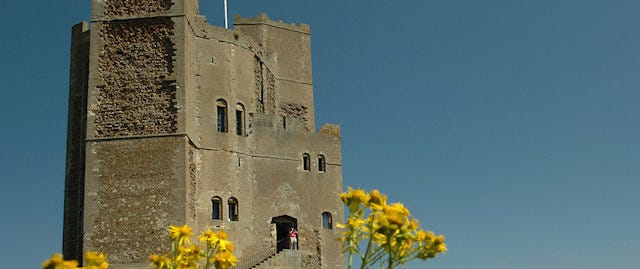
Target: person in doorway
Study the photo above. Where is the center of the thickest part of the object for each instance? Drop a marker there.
(293, 238)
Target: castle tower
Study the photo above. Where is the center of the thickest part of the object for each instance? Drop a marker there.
(174, 121)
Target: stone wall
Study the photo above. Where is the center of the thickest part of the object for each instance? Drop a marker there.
(265, 91)
(76, 130)
(135, 96)
(297, 111)
(136, 7)
(137, 190)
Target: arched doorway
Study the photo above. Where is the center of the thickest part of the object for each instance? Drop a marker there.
(283, 224)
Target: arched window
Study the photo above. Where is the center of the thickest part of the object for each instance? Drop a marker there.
(306, 162)
(322, 166)
(239, 119)
(233, 209)
(221, 110)
(216, 207)
(327, 221)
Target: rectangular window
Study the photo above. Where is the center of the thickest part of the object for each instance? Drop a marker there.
(327, 221)
(216, 208)
(233, 209)
(239, 122)
(306, 162)
(233, 212)
(222, 119)
(321, 164)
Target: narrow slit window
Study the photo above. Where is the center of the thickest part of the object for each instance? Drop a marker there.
(233, 209)
(216, 208)
(221, 110)
(327, 221)
(322, 166)
(306, 162)
(239, 119)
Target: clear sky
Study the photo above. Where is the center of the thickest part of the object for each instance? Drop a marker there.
(509, 126)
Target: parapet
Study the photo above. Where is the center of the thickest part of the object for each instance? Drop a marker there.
(331, 129)
(263, 19)
(278, 122)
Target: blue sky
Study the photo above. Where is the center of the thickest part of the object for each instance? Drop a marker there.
(509, 126)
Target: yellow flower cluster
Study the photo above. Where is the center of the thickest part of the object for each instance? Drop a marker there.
(218, 251)
(93, 260)
(391, 236)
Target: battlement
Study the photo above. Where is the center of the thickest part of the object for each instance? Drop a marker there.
(288, 123)
(331, 129)
(263, 19)
(104, 10)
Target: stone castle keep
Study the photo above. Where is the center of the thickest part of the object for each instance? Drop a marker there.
(174, 121)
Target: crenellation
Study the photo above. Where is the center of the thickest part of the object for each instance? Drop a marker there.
(331, 129)
(115, 8)
(262, 18)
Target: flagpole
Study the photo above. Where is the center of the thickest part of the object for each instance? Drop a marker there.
(226, 22)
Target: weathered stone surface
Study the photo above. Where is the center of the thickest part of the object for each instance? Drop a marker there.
(295, 111)
(135, 62)
(74, 183)
(137, 192)
(136, 7)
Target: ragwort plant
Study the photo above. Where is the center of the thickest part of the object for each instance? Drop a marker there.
(217, 253)
(385, 234)
(93, 260)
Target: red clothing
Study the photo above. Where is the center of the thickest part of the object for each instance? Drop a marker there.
(293, 233)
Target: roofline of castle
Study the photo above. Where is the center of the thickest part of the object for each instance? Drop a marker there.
(262, 18)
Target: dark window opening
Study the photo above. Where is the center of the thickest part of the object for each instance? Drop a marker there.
(239, 119)
(322, 166)
(327, 221)
(221, 109)
(233, 209)
(306, 162)
(216, 208)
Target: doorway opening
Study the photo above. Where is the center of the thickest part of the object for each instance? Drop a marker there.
(283, 224)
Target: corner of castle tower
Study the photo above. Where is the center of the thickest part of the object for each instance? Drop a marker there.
(330, 129)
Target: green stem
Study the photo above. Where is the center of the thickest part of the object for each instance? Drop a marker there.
(390, 261)
(376, 256)
(366, 254)
(207, 264)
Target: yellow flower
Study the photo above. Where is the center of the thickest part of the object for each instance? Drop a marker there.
(354, 198)
(69, 265)
(160, 262)
(95, 260)
(425, 236)
(224, 260)
(182, 233)
(52, 262)
(225, 245)
(439, 239)
(353, 223)
(442, 247)
(221, 234)
(376, 200)
(387, 229)
(208, 236)
(57, 262)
